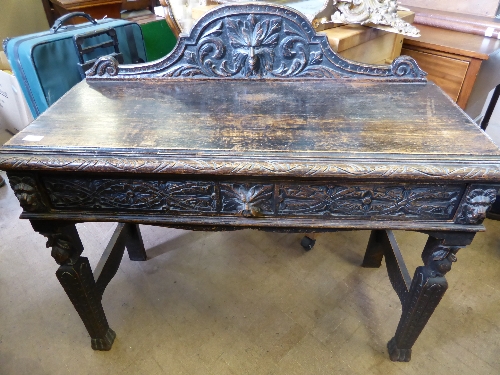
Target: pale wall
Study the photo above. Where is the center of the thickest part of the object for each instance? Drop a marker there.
(486, 8)
(21, 17)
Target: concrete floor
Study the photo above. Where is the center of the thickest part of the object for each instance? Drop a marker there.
(243, 302)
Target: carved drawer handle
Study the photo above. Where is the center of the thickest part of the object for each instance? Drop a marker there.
(252, 212)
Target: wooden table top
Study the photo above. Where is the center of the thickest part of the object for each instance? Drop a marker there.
(245, 119)
(249, 117)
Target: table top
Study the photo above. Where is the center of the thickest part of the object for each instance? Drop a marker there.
(242, 120)
(249, 118)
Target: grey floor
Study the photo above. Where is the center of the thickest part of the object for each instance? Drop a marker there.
(243, 302)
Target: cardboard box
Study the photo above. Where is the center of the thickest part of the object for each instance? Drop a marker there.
(14, 112)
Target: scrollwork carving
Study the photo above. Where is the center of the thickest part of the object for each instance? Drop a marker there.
(249, 47)
(104, 66)
(254, 41)
(131, 194)
(406, 66)
(475, 204)
(404, 202)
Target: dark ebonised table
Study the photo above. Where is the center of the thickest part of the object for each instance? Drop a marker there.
(253, 122)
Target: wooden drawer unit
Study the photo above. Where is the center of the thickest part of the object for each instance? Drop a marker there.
(452, 59)
(445, 71)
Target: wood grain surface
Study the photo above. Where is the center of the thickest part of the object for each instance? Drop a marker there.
(455, 42)
(322, 117)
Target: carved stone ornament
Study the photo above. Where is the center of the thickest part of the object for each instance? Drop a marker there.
(26, 191)
(378, 12)
(476, 203)
(254, 41)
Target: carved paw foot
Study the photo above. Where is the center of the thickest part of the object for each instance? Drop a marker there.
(307, 243)
(396, 354)
(104, 343)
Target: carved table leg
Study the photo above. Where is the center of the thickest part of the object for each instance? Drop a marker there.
(375, 249)
(133, 242)
(75, 275)
(427, 288)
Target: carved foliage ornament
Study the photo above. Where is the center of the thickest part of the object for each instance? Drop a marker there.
(396, 202)
(328, 169)
(131, 194)
(254, 41)
(424, 202)
(247, 200)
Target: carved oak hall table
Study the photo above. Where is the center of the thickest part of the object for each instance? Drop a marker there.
(254, 122)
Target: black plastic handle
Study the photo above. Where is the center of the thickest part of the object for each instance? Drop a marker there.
(61, 20)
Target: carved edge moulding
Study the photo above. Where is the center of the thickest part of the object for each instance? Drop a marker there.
(255, 41)
(357, 169)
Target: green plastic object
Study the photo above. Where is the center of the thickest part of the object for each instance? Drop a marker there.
(159, 40)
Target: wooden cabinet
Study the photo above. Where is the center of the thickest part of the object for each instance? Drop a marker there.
(96, 8)
(446, 70)
(452, 59)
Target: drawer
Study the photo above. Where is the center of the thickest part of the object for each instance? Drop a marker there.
(275, 199)
(446, 72)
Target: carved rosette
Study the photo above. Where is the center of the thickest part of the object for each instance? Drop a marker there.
(248, 200)
(477, 201)
(26, 191)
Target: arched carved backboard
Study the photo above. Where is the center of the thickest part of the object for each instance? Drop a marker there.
(255, 41)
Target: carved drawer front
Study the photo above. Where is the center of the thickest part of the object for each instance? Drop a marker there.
(254, 199)
(395, 202)
(131, 195)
